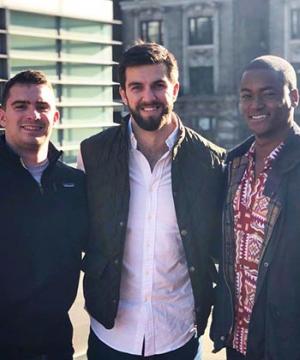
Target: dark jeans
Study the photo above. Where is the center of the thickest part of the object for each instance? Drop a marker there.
(22, 354)
(98, 350)
(232, 354)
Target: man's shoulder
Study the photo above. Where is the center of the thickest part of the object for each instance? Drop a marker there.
(240, 149)
(193, 138)
(103, 136)
(68, 171)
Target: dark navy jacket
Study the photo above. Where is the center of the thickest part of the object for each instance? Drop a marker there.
(42, 235)
(274, 330)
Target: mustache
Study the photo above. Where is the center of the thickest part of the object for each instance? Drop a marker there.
(153, 103)
(36, 122)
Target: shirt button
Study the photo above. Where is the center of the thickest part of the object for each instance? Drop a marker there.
(183, 232)
(121, 223)
(266, 264)
(116, 261)
(222, 338)
(192, 269)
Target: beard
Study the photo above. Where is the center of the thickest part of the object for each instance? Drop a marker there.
(151, 123)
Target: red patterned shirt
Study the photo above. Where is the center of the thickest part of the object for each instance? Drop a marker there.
(250, 208)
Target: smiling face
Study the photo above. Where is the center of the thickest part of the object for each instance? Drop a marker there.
(28, 117)
(267, 103)
(149, 95)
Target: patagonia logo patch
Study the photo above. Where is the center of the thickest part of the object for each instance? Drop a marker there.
(68, 185)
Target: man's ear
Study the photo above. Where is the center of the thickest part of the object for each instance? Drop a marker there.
(2, 117)
(294, 95)
(176, 90)
(123, 95)
(56, 117)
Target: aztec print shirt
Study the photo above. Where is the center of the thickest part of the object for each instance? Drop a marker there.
(250, 208)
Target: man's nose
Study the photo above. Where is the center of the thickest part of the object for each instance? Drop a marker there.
(257, 102)
(149, 95)
(32, 113)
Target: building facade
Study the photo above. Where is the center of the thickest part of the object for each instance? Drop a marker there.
(72, 42)
(213, 40)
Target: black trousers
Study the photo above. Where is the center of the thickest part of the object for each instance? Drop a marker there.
(232, 354)
(97, 350)
(23, 354)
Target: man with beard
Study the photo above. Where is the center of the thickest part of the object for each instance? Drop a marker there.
(154, 189)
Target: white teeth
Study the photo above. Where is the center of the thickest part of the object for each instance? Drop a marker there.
(150, 108)
(29, 127)
(258, 117)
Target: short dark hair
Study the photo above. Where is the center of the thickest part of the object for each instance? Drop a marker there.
(27, 77)
(281, 66)
(147, 54)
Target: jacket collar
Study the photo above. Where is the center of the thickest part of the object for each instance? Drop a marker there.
(289, 155)
(180, 134)
(8, 154)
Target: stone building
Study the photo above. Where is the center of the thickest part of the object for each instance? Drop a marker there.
(213, 40)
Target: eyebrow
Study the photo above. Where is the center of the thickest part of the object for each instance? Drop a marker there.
(262, 89)
(20, 102)
(16, 102)
(134, 83)
(141, 83)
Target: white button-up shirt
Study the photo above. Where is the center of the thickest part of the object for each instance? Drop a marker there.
(156, 300)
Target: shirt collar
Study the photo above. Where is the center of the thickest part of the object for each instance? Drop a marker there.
(269, 159)
(170, 141)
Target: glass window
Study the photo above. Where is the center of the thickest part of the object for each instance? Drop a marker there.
(33, 21)
(204, 125)
(295, 23)
(75, 136)
(152, 31)
(201, 80)
(104, 31)
(88, 49)
(49, 68)
(95, 115)
(200, 30)
(33, 44)
(87, 71)
(86, 93)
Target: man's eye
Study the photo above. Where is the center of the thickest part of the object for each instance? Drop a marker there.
(160, 85)
(20, 107)
(42, 107)
(245, 96)
(136, 87)
(269, 95)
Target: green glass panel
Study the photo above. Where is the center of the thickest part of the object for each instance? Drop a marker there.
(90, 115)
(49, 68)
(29, 44)
(87, 27)
(88, 71)
(85, 48)
(31, 20)
(75, 136)
(90, 93)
